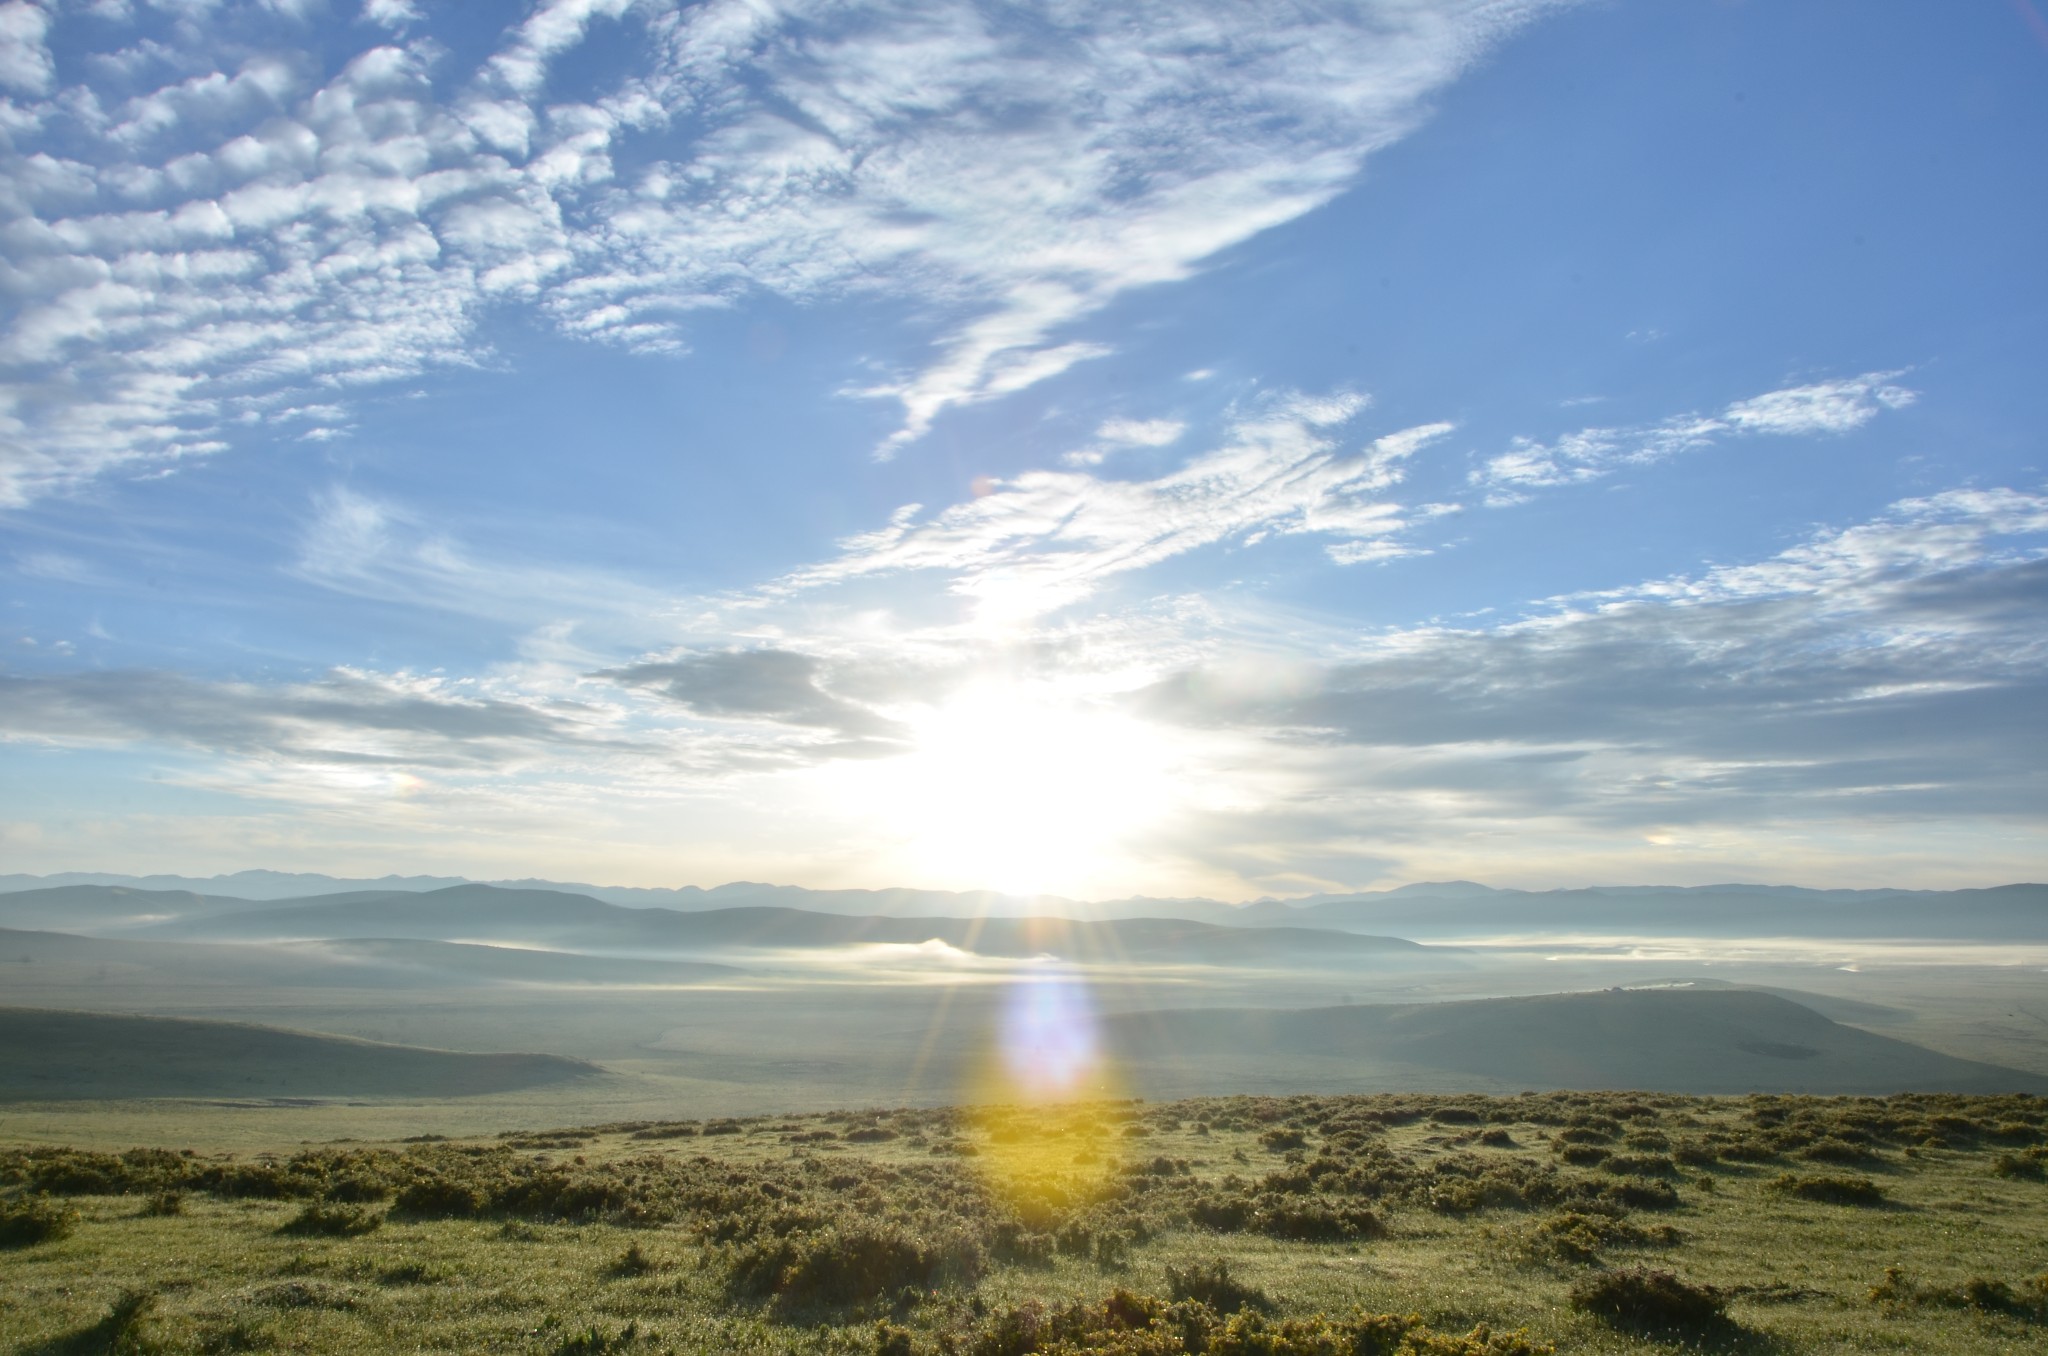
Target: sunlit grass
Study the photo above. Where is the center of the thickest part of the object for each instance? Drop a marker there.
(803, 1233)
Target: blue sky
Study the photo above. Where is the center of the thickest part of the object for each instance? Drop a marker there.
(1174, 448)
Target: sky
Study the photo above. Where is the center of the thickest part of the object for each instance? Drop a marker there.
(1168, 448)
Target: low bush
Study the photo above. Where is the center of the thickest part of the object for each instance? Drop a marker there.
(1653, 1301)
(1580, 1236)
(634, 1261)
(1137, 1325)
(1212, 1284)
(1986, 1294)
(841, 1267)
(1834, 1150)
(1640, 1165)
(2029, 1166)
(34, 1219)
(164, 1204)
(1828, 1190)
(331, 1221)
(595, 1341)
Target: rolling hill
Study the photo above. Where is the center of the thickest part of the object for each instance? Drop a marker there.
(80, 965)
(576, 922)
(48, 1055)
(1674, 1040)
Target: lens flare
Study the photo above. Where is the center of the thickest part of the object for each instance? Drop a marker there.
(1043, 1080)
(1048, 1041)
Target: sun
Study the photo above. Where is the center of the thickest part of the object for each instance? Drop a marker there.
(1022, 789)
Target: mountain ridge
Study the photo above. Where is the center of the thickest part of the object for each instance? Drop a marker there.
(1437, 910)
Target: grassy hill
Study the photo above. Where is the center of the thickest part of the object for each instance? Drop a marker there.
(1677, 1040)
(1398, 1225)
(48, 1055)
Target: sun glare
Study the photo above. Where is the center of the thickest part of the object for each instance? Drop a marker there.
(1020, 791)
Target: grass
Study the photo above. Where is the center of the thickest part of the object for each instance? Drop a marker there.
(1450, 1225)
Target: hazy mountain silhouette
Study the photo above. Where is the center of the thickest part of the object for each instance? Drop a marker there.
(554, 918)
(45, 958)
(48, 1055)
(1673, 1040)
(1429, 910)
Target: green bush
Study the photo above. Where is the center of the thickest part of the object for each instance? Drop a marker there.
(1211, 1283)
(331, 1221)
(2028, 1166)
(841, 1267)
(1986, 1294)
(32, 1220)
(1656, 1301)
(1125, 1324)
(1829, 1190)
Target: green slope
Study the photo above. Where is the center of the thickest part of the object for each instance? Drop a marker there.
(49, 1055)
(1712, 1041)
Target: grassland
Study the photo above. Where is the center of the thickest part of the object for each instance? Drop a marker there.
(1228, 1225)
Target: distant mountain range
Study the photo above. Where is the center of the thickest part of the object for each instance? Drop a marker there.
(577, 923)
(1445, 910)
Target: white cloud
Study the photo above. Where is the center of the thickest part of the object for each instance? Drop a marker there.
(394, 14)
(25, 64)
(1833, 407)
(1825, 407)
(1115, 435)
(1008, 178)
(1042, 540)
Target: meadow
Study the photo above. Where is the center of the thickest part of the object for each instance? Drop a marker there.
(1443, 1225)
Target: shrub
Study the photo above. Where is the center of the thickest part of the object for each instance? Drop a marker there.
(1281, 1138)
(1211, 1283)
(1578, 1236)
(1137, 1325)
(164, 1204)
(1640, 1165)
(2018, 1166)
(634, 1261)
(1833, 1150)
(597, 1342)
(1985, 1294)
(441, 1198)
(1640, 1193)
(331, 1221)
(1637, 1297)
(842, 1267)
(32, 1220)
(1829, 1190)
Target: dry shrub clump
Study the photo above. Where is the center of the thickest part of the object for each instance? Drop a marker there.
(1828, 1190)
(331, 1221)
(1581, 1236)
(1125, 1324)
(1212, 1284)
(1985, 1294)
(34, 1219)
(1651, 1301)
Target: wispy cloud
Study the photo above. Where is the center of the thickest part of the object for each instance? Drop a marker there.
(187, 258)
(1828, 407)
(1889, 669)
(1042, 540)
